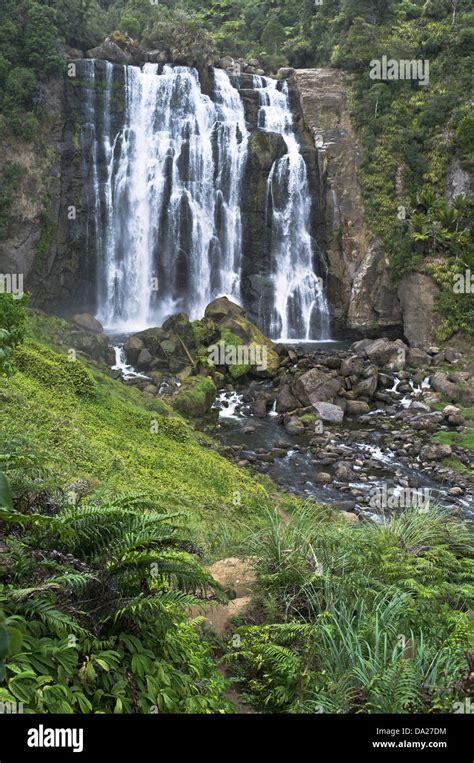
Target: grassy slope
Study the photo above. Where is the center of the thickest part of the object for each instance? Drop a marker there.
(107, 440)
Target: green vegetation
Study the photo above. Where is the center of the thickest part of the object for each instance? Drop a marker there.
(367, 618)
(110, 501)
(12, 330)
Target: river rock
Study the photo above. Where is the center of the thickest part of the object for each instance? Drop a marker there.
(356, 407)
(391, 356)
(294, 426)
(417, 358)
(366, 387)
(316, 386)
(348, 517)
(352, 366)
(436, 452)
(344, 471)
(323, 477)
(333, 414)
(132, 348)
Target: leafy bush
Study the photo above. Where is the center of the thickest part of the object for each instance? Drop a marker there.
(368, 618)
(12, 330)
(99, 612)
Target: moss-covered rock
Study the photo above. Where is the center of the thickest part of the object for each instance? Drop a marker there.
(195, 397)
(260, 359)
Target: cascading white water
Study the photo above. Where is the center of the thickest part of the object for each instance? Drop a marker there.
(163, 199)
(300, 309)
(169, 216)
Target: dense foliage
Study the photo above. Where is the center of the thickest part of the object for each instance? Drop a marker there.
(12, 329)
(104, 521)
(372, 618)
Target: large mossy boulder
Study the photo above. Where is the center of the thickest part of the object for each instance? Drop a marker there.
(195, 397)
(238, 332)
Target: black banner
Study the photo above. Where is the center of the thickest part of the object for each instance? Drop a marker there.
(105, 737)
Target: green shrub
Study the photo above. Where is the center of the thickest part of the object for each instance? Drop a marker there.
(52, 369)
(12, 330)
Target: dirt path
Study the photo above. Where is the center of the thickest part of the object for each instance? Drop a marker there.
(237, 578)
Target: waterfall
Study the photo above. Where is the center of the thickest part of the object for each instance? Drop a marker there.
(300, 309)
(164, 191)
(163, 181)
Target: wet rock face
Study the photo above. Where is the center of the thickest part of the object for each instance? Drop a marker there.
(417, 293)
(360, 288)
(265, 148)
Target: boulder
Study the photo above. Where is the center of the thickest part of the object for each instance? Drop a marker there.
(95, 345)
(357, 407)
(144, 359)
(259, 407)
(450, 410)
(222, 308)
(293, 425)
(440, 383)
(286, 401)
(316, 386)
(236, 331)
(110, 51)
(391, 356)
(151, 339)
(352, 366)
(195, 397)
(436, 452)
(87, 322)
(417, 358)
(132, 348)
(328, 412)
(466, 394)
(360, 347)
(366, 387)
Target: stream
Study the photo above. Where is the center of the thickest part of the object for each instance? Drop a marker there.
(294, 462)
